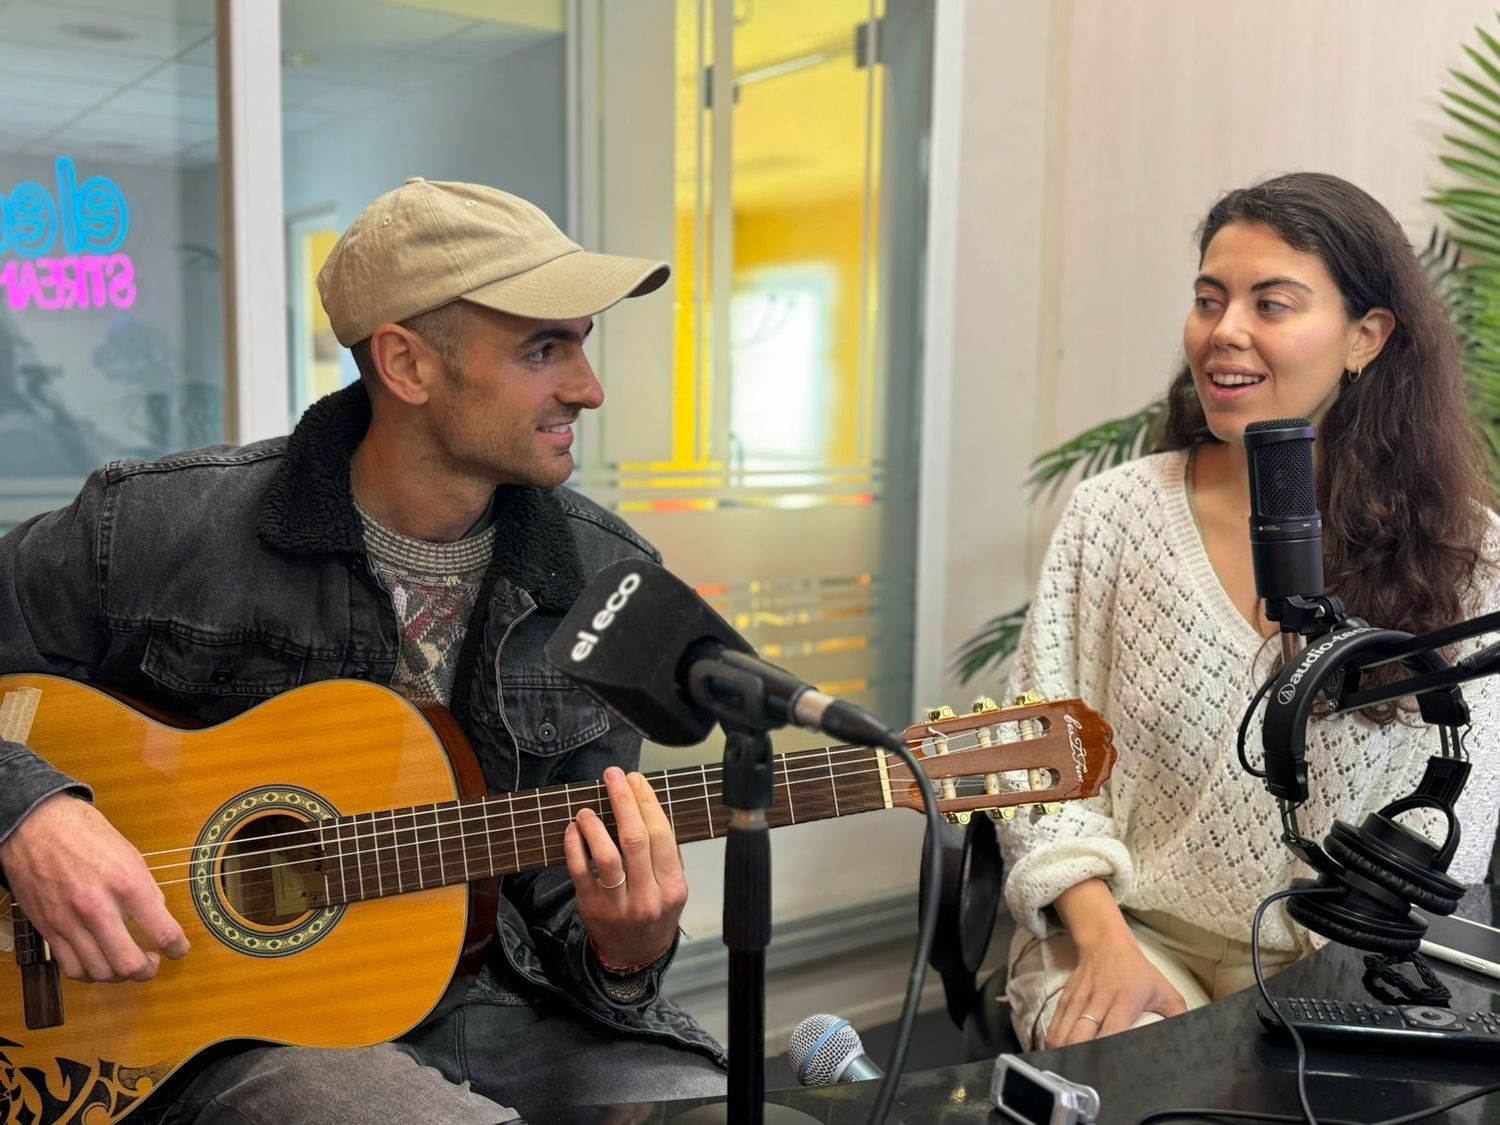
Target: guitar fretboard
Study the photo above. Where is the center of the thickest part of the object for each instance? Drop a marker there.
(371, 855)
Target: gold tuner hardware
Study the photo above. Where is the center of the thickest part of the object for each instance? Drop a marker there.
(1051, 808)
(984, 705)
(1007, 813)
(958, 817)
(937, 714)
(1026, 699)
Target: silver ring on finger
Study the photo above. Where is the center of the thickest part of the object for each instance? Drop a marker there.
(611, 886)
(1095, 1020)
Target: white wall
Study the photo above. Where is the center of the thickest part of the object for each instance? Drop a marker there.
(1149, 112)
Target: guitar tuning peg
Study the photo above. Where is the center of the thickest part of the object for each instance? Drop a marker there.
(1007, 813)
(957, 817)
(937, 714)
(1050, 808)
(983, 705)
(1026, 699)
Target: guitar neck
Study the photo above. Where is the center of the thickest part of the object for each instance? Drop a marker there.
(371, 855)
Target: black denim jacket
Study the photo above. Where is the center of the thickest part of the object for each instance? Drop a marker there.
(212, 580)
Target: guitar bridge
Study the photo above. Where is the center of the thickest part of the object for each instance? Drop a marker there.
(41, 983)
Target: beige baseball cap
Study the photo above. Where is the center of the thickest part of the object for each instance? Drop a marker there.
(430, 242)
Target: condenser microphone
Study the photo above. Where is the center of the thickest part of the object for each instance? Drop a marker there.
(1286, 530)
(647, 647)
(826, 1051)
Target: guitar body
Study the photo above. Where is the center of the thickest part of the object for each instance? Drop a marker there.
(335, 976)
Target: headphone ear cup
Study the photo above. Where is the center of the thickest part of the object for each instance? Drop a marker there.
(1328, 916)
(1394, 857)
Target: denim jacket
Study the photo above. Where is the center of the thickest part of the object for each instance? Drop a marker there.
(212, 580)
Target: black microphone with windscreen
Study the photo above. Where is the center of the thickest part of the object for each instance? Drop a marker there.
(646, 646)
(1286, 528)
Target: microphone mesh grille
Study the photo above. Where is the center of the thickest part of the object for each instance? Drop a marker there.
(1283, 473)
(833, 1052)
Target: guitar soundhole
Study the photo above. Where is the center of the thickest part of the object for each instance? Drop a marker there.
(273, 871)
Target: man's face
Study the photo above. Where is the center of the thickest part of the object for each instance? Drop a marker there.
(506, 410)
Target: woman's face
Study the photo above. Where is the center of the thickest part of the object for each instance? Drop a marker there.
(1267, 336)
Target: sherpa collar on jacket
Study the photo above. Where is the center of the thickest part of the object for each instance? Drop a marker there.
(309, 505)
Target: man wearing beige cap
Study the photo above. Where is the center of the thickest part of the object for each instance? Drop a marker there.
(410, 531)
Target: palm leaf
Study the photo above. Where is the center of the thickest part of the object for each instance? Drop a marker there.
(991, 646)
(1469, 282)
(1106, 445)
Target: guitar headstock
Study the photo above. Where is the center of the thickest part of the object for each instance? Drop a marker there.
(999, 759)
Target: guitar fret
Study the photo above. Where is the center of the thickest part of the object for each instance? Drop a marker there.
(322, 852)
(359, 857)
(791, 809)
(489, 838)
(832, 782)
(541, 824)
(666, 799)
(415, 854)
(437, 844)
(376, 838)
(515, 833)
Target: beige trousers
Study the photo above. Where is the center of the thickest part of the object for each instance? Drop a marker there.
(1200, 965)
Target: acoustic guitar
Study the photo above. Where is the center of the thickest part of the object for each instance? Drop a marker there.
(334, 859)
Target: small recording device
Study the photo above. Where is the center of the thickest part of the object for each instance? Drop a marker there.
(1471, 944)
(1039, 1097)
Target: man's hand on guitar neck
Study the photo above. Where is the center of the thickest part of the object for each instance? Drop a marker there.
(631, 907)
(80, 882)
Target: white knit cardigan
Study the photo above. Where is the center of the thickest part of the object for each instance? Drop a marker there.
(1130, 616)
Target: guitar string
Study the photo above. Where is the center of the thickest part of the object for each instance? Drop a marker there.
(527, 826)
(536, 838)
(706, 771)
(507, 804)
(532, 853)
(251, 903)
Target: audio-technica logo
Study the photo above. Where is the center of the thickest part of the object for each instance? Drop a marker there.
(1288, 691)
(605, 617)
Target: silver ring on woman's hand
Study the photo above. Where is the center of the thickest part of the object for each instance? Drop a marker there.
(611, 886)
(1092, 1019)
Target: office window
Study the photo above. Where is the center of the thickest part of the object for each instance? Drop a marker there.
(110, 286)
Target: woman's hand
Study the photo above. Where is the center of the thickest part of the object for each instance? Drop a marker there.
(1113, 982)
(1107, 993)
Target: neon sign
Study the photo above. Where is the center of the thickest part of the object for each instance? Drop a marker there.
(90, 219)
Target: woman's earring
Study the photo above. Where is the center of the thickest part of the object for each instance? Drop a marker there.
(1352, 376)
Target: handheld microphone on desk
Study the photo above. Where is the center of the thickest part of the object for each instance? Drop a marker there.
(646, 646)
(1382, 867)
(825, 1051)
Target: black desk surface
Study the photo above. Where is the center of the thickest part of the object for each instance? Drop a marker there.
(1214, 1056)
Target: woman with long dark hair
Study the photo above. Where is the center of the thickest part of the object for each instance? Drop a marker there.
(1308, 303)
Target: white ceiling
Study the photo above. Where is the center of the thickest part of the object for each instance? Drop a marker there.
(134, 80)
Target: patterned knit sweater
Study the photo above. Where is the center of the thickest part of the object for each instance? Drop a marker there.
(1130, 616)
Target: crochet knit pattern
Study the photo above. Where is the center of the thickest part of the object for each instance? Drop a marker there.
(1130, 615)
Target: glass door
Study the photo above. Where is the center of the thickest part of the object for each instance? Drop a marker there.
(775, 464)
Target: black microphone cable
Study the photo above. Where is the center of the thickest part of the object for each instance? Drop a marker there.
(1307, 1117)
(926, 929)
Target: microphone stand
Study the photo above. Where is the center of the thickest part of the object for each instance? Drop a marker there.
(748, 771)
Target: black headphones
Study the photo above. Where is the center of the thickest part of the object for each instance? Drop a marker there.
(1382, 867)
